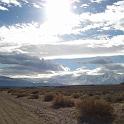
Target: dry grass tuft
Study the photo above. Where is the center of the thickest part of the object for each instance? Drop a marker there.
(76, 95)
(33, 96)
(61, 101)
(35, 92)
(21, 95)
(95, 112)
(48, 97)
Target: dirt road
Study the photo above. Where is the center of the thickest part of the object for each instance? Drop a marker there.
(25, 111)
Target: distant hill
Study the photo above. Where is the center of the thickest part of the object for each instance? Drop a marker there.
(11, 82)
(105, 79)
(14, 82)
(122, 83)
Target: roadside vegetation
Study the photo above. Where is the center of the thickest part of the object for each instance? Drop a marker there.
(91, 104)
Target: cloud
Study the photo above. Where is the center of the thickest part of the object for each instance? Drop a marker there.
(20, 3)
(81, 47)
(25, 34)
(118, 68)
(93, 28)
(97, 1)
(19, 65)
(30, 39)
(36, 6)
(100, 61)
(25, 64)
(101, 22)
(103, 69)
(81, 76)
(14, 2)
(3, 8)
(100, 75)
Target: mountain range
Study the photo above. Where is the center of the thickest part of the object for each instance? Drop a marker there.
(105, 79)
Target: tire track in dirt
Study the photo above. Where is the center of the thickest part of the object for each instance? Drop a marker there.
(11, 113)
(49, 115)
(25, 111)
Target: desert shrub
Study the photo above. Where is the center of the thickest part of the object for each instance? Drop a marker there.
(61, 101)
(67, 93)
(118, 98)
(95, 112)
(107, 97)
(10, 90)
(13, 91)
(115, 98)
(33, 96)
(96, 97)
(21, 95)
(105, 91)
(76, 95)
(42, 92)
(35, 92)
(18, 92)
(84, 96)
(48, 97)
(90, 94)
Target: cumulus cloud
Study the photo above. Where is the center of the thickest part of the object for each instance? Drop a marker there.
(97, 1)
(3, 8)
(25, 64)
(97, 29)
(29, 38)
(14, 2)
(119, 68)
(82, 48)
(105, 24)
(100, 61)
(110, 74)
(25, 34)
(81, 76)
(20, 3)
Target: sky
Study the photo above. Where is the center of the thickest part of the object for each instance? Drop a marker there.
(54, 38)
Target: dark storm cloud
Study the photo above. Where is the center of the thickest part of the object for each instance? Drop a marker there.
(25, 64)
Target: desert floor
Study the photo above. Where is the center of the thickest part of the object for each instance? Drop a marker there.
(18, 107)
(28, 111)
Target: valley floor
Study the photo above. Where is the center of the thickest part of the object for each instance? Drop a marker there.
(28, 105)
(28, 111)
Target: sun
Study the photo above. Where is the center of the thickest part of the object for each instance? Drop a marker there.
(59, 17)
(58, 9)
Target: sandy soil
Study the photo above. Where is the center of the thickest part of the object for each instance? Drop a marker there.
(27, 111)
